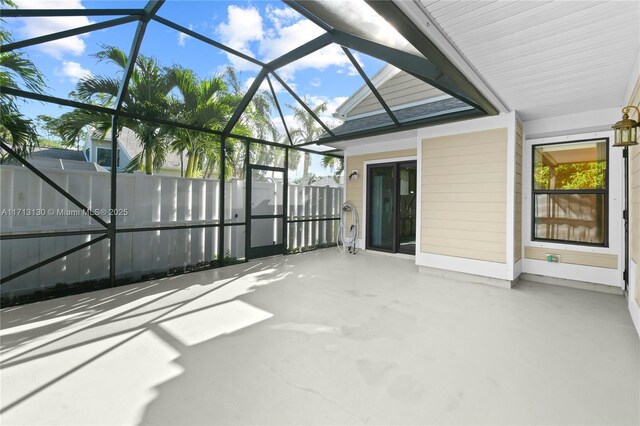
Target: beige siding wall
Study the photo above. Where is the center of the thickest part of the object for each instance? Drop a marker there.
(634, 200)
(354, 188)
(400, 89)
(609, 261)
(517, 232)
(463, 195)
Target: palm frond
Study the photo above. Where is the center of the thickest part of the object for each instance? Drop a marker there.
(74, 123)
(17, 65)
(19, 131)
(135, 163)
(92, 87)
(112, 54)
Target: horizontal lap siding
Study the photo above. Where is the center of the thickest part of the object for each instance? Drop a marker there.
(463, 195)
(517, 232)
(400, 89)
(354, 190)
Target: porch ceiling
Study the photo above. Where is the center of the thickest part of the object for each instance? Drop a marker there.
(546, 58)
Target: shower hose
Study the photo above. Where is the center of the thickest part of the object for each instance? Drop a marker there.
(347, 240)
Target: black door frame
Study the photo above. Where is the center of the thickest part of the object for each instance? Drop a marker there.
(274, 249)
(398, 224)
(396, 204)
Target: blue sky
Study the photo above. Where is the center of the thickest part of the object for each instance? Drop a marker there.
(261, 29)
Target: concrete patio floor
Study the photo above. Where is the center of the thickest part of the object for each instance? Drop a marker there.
(322, 338)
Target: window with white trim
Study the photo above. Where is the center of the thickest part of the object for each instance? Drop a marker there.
(103, 157)
(570, 192)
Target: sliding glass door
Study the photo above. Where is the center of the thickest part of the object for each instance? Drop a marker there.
(382, 194)
(407, 208)
(391, 207)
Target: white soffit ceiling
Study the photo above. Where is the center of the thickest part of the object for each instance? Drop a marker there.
(546, 58)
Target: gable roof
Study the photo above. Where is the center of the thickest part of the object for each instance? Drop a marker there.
(383, 75)
(398, 89)
(417, 112)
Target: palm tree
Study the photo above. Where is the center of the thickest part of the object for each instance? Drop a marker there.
(146, 96)
(336, 165)
(202, 103)
(17, 70)
(254, 122)
(308, 130)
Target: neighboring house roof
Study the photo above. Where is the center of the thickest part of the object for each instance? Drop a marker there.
(130, 142)
(417, 112)
(57, 153)
(63, 159)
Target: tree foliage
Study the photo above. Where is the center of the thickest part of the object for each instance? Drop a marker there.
(17, 71)
(582, 175)
(307, 130)
(155, 91)
(146, 95)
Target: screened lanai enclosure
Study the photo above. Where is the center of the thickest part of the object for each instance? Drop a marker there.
(203, 129)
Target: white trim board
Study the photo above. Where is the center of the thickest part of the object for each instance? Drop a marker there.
(613, 276)
(467, 126)
(464, 265)
(634, 308)
(369, 140)
(381, 147)
(511, 195)
(588, 274)
(582, 122)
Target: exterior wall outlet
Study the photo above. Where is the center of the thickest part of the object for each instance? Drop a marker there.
(552, 258)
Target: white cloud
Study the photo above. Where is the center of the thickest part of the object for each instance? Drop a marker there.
(242, 27)
(312, 102)
(281, 16)
(331, 55)
(245, 31)
(35, 27)
(332, 105)
(264, 85)
(73, 71)
(285, 39)
(182, 37)
(280, 127)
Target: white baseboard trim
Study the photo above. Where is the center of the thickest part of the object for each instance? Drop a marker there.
(387, 254)
(517, 269)
(634, 308)
(467, 266)
(564, 282)
(588, 274)
(470, 278)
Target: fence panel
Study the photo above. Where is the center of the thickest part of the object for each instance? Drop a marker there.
(147, 201)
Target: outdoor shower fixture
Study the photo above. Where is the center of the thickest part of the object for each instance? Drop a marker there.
(626, 130)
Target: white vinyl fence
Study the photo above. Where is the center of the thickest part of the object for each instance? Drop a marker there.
(28, 204)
